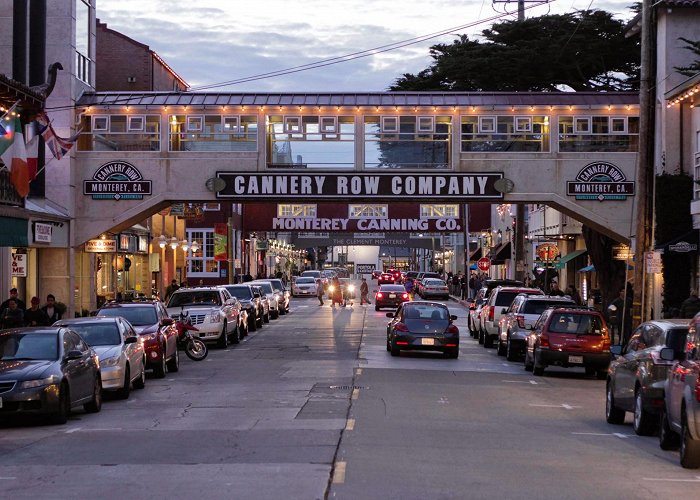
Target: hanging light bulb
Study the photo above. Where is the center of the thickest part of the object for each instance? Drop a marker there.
(185, 245)
(174, 243)
(194, 247)
(161, 241)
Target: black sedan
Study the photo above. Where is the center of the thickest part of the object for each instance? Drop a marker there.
(47, 371)
(424, 326)
(390, 296)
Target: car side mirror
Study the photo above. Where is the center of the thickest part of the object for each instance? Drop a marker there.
(453, 317)
(74, 354)
(504, 311)
(131, 340)
(166, 321)
(667, 354)
(390, 315)
(616, 350)
(530, 327)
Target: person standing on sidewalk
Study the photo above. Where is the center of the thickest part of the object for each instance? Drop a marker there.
(364, 292)
(35, 316)
(13, 316)
(51, 310)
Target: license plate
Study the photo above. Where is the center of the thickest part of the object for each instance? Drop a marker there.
(576, 359)
(392, 295)
(427, 341)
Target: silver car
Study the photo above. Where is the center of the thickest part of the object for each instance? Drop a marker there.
(121, 354)
(273, 298)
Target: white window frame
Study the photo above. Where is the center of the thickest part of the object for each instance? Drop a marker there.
(355, 210)
(132, 120)
(328, 124)
(96, 119)
(292, 125)
(581, 120)
(436, 208)
(422, 121)
(234, 129)
(192, 121)
(523, 120)
(624, 125)
(297, 210)
(386, 124)
(483, 120)
(200, 256)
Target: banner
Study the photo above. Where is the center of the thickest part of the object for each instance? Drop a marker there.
(220, 242)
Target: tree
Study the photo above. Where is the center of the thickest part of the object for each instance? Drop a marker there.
(586, 50)
(693, 68)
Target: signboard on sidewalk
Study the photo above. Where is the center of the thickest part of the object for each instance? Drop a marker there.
(19, 265)
(622, 252)
(653, 262)
(364, 268)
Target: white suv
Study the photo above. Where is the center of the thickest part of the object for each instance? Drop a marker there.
(212, 310)
(500, 299)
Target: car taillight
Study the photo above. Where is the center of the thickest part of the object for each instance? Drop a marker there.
(453, 329)
(521, 320)
(405, 296)
(400, 327)
(492, 310)
(472, 306)
(544, 340)
(380, 295)
(697, 389)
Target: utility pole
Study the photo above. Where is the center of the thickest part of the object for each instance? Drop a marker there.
(641, 306)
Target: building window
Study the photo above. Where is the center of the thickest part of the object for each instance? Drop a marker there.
(368, 211)
(238, 133)
(119, 133)
(202, 264)
(296, 210)
(438, 211)
(84, 64)
(492, 134)
(598, 133)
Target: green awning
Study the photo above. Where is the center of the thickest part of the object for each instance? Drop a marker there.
(14, 232)
(568, 257)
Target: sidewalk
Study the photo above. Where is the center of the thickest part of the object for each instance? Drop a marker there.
(460, 301)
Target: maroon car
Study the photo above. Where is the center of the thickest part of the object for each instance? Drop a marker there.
(386, 278)
(390, 296)
(156, 329)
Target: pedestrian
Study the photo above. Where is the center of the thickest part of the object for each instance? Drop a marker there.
(13, 295)
(319, 291)
(12, 316)
(464, 288)
(690, 306)
(35, 316)
(620, 315)
(573, 293)
(364, 292)
(554, 289)
(53, 312)
(172, 287)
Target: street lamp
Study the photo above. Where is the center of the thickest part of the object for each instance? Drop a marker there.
(162, 241)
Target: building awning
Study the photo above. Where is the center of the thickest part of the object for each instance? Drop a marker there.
(587, 269)
(14, 232)
(501, 254)
(684, 244)
(476, 254)
(569, 257)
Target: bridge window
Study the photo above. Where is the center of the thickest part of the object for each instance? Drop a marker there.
(438, 211)
(310, 141)
(505, 133)
(598, 133)
(202, 264)
(232, 133)
(407, 141)
(296, 210)
(119, 133)
(367, 211)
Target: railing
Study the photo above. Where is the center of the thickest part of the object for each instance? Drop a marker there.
(8, 194)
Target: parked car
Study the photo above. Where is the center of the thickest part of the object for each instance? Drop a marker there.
(47, 370)
(680, 419)
(386, 278)
(155, 328)
(250, 304)
(264, 303)
(434, 288)
(521, 315)
(498, 302)
(637, 374)
(418, 282)
(212, 310)
(272, 297)
(425, 326)
(569, 337)
(475, 307)
(390, 296)
(304, 286)
(121, 354)
(282, 293)
(312, 273)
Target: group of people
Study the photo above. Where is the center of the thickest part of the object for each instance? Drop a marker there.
(14, 312)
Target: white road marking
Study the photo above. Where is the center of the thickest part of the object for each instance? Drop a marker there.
(696, 480)
(533, 382)
(350, 424)
(339, 473)
(71, 431)
(519, 382)
(444, 401)
(564, 405)
(615, 434)
(8, 477)
(355, 394)
(358, 371)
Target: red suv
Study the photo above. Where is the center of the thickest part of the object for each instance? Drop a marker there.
(569, 337)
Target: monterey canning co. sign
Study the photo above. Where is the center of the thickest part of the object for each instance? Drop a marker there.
(294, 186)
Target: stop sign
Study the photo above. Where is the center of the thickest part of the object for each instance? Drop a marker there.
(483, 264)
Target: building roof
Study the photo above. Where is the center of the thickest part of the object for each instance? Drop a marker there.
(359, 99)
(12, 91)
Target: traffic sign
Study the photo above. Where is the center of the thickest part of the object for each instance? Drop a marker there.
(483, 264)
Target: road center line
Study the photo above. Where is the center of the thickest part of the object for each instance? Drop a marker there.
(355, 394)
(615, 434)
(8, 477)
(564, 405)
(350, 424)
(71, 431)
(339, 473)
(696, 480)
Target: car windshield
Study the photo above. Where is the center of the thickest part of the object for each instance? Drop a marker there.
(267, 288)
(19, 346)
(313, 274)
(392, 288)
(539, 306)
(434, 282)
(305, 281)
(676, 338)
(426, 313)
(578, 324)
(505, 298)
(277, 285)
(240, 292)
(98, 333)
(195, 298)
(137, 316)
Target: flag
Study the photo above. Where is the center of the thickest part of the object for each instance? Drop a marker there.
(33, 157)
(59, 146)
(15, 158)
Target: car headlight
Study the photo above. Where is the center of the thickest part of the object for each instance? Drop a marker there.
(215, 317)
(149, 336)
(331, 288)
(29, 384)
(351, 288)
(107, 362)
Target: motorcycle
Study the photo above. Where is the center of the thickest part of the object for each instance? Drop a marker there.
(195, 349)
(343, 296)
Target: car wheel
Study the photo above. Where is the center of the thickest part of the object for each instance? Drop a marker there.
(613, 414)
(481, 336)
(644, 423)
(376, 307)
(222, 343)
(174, 362)
(690, 448)
(511, 355)
(527, 363)
(501, 348)
(488, 341)
(123, 393)
(254, 325)
(452, 353)
(388, 345)
(61, 415)
(537, 368)
(236, 335)
(668, 440)
(266, 318)
(275, 314)
(95, 405)
(394, 349)
(140, 382)
(159, 371)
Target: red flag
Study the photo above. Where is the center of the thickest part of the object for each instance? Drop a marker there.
(33, 157)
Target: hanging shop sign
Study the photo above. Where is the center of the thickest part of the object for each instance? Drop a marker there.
(117, 180)
(547, 252)
(622, 252)
(600, 181)
(42, 232)
(220, 242)
(369, 186)
(101, 246)
(654, 265)
(19, 265)
(683, 247)
(364, 268)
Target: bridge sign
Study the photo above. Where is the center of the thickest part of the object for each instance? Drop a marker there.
(483, 264)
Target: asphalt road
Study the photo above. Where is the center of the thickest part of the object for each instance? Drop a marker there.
(312, 406)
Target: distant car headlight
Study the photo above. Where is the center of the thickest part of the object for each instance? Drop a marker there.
(107, 362)
(29, 384)
(351, 288)
(331, 288)
(215, 317)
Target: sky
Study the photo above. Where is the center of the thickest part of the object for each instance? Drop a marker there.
(214, 41)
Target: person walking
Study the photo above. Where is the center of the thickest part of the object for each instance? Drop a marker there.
(53, 313)
(554, 289)
(13, 296)
(172, 287)
(35, 316)
(690, 306)
(573, 293)
(620, 314)
(364, 292)
(319, 291)
(12, 316)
